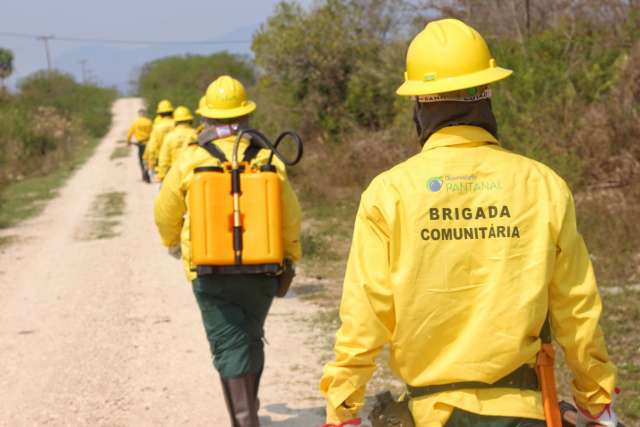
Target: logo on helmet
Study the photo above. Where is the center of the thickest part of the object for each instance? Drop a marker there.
(434, 184)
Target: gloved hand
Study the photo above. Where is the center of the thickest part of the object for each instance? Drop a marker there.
(342, 416)
(175, 251)
(353, 422)
(606, 418)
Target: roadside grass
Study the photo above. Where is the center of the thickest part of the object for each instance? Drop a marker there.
(326, 239)
(620, 325)
(26, 198)
(120, 152)
(103, 217)
(7, 240)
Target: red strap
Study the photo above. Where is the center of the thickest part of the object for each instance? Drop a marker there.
(353, 422)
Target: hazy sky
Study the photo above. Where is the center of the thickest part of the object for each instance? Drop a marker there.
(121, 19)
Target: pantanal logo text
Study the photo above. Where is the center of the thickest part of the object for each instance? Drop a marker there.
(462, 184)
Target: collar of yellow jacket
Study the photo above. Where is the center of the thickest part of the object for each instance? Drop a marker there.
(231, 139)
(457, 135)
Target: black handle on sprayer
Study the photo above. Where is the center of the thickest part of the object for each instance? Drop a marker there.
(273, 147)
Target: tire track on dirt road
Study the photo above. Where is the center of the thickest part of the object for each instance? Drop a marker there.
(97, 332)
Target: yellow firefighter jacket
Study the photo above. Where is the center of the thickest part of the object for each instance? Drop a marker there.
(160, 130)
(458, 254)
(172, 204)
(140, 130)
(174, 142)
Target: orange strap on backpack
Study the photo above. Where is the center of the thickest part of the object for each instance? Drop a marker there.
(546, 378)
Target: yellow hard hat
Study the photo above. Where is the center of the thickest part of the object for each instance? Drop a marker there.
(226, 99)
(448, 55)
(164, 106)
(201, 104)
(182, 114)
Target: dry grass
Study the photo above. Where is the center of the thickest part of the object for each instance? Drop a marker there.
(103, 217)
(120, 152)
(7, 240)
(26, 197)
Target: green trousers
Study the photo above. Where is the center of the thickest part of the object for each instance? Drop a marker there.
(234, 309)
(460, 418)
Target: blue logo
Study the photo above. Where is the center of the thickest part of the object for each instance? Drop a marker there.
(434, 184)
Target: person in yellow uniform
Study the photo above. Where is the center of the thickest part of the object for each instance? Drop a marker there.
(176, 140)
(138, 134)
(161, 128)
(233, 306)
(459, 255)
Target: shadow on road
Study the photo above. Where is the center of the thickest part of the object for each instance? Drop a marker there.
(296, 416)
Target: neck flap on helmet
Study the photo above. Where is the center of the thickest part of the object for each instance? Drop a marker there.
(430, 117)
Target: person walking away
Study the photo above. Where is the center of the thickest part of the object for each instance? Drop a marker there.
(233, 306)
(176, 140)
(138, 135)
(161, 128)
(459, 256)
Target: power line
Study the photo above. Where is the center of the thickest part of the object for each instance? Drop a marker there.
(122, 41)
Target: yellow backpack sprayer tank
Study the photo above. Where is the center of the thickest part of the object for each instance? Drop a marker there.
(236, 210)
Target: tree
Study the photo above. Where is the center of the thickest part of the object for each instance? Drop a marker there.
(184, 79)
(334, 65)
(6, 64)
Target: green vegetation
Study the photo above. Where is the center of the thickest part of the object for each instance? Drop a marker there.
(184, 79)
(42, 125)
(332, 67)
(6, 64)
(26, 197)
(46, 129)
(86, 103)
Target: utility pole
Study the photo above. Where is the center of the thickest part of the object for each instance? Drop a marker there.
(83, 66)
(45, 40)
(527, 6)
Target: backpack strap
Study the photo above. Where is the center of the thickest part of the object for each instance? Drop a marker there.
(206, 140)
(214, 151)
(251, 152)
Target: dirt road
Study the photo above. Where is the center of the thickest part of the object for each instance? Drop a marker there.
(99, 327)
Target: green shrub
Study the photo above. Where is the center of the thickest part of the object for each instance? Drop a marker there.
(47, 121)
(87, 102)
(331, 68)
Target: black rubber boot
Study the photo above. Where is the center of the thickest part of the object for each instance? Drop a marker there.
(257, 387)
(240, 395)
